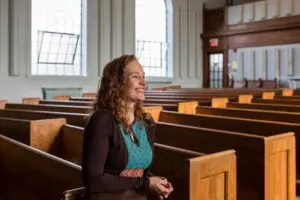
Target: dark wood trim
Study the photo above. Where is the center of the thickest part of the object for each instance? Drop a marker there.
(283, 23)
(264, 39)
(225, 68)
(205, 83)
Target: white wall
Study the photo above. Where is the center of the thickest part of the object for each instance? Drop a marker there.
(110, 33)
(267, 62)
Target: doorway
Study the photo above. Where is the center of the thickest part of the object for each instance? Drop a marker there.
(216, 68)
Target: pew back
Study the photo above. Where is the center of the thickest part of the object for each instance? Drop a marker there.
(32, 174)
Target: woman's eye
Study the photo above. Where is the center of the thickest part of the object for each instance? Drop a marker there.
(135, 76)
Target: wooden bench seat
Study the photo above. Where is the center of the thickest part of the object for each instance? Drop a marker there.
(27, 173)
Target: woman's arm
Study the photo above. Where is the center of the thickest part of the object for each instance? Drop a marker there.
(95, 151)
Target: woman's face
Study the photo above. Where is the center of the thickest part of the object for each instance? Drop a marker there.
(135, 82)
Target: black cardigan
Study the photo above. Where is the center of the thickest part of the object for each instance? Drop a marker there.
(105, 155)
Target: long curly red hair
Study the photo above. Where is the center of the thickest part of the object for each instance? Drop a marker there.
(112, 90)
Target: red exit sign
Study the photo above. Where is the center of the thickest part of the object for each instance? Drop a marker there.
(213, 42)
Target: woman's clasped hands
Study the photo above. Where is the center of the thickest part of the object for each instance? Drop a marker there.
(161, 186)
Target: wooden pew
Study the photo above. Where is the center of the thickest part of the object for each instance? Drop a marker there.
(249, 126)
(260, 171)
(196, 176)
(264, 106)
(27, 173)
(57, 108)
(269, 115)
(294, 97)
(69, 103)
(277, 101)
(77, 119)
(193, 91)
(40, 134)
(264, 172)
(82, 99)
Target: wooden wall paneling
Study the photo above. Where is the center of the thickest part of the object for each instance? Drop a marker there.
(260, 10)
(285, 7)
(264, 64)
(248, 12)
(264, 38)
(235, 14)
(289, 64)
(272, 9)
(263, 26)
(225, 70)
(276, 61)
(206, 76)
(252, 64)
(296, 6)
(241, 63)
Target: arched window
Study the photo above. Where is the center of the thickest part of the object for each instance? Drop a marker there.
(152, 37)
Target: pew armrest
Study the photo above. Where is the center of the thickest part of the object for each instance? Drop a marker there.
(74, 194)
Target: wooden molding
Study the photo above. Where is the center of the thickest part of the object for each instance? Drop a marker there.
(283, 23)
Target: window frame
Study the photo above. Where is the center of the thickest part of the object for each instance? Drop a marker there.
(83, 42)
(169, 41)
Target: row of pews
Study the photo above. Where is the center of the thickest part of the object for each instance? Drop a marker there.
(207, 144)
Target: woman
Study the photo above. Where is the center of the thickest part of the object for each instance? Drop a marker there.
(118, 138)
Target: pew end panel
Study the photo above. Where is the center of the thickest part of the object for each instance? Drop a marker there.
(247, 98)
(91, 95)
(187, 107)
(44, 134)
(154, 111)
(219, 102)
(31, 100)
(213, 176)
(280, 167)
(62, 97)
(268, 95)
(287, 92)
(2, 104)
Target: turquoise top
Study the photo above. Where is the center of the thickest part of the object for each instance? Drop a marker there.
(139, 157)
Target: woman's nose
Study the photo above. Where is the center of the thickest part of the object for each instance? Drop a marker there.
(142, 81)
